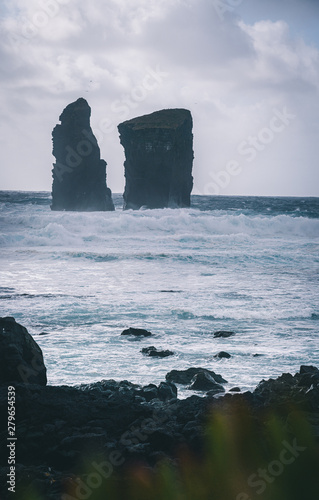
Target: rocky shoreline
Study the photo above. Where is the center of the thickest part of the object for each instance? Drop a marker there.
(120, 440)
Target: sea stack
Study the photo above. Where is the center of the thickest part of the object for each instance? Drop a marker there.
(79, 173)
(158, 159)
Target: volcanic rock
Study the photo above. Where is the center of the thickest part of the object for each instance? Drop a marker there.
(21, 358)
(186, 376)
(304, 386)
(222, 354)
(202, 381)
(159, 159)
(137, 332)
(167, 390)
(223, 334)
(152, 351)
(79, 173)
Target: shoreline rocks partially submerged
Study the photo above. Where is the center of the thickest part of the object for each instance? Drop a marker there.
(66, 436)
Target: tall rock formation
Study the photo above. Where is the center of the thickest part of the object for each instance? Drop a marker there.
(79, 174)
(159, 159)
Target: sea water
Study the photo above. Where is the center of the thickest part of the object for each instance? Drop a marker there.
(249, 265)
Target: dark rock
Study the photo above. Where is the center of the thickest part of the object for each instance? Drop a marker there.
(162, 441)
(202, 381)
(186, 376)
(114, 390)
(109, 387)
(21, 358)
(82, 441)
(235, 389)
(308, 376)
(167, 390)
(302, 387)
(137, 332)
(152, 351)
(257, 355)
(223, 334)
(222, 354)
(309, 369)
(79, 174)
(149, 392)
(218, 389)
(159, 159)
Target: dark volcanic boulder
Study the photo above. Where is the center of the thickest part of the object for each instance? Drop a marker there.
(303, 387)
(167, 390)
(21, 358)
(312, 370)
(124, 389)
(159, 159)
(136, 332)
(223, 334)
(152, 351)
(79, 174)
(202, 381)
(222, 354)
(186, 376)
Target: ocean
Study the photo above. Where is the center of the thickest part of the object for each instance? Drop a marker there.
(245, 264)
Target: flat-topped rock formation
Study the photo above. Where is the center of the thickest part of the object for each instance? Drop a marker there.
(79, 173)
(159, 159)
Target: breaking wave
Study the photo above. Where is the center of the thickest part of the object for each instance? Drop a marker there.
(79, 230)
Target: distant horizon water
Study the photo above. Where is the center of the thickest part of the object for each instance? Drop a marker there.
(195, 192)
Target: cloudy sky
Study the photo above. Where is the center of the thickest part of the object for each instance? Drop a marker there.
(248, 70)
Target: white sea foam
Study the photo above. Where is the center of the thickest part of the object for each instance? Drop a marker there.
(88, 229)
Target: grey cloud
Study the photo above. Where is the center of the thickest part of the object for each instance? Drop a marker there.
(194, 36)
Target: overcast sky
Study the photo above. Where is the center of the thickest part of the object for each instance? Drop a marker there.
(248, 70)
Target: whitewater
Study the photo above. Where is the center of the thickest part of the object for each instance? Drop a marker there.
(246, 264)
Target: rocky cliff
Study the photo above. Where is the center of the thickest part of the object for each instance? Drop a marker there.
(79, 173)
(159, 159)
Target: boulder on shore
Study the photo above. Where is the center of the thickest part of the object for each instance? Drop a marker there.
(202, 381)
(79, 173)
(159, 159)
(186, 376)
(21, 359)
